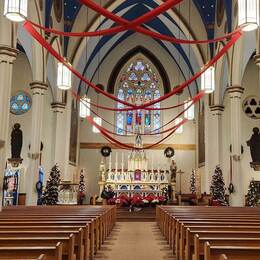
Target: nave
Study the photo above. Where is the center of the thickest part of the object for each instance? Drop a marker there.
(135, 240)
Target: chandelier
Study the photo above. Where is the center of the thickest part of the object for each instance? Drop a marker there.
(63, 77)
(15, 10)
(248, 14)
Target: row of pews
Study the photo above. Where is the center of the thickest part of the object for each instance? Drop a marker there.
(211, 233)
(54, 232)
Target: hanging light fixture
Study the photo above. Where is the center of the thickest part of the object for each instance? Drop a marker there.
(208, 80)
(84, 107)
(16, 10)
(63, 77)
(177, 121)
(189, 110)
(248, 14)
(98, 121)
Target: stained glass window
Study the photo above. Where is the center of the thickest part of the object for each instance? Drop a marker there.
(139, 83)
(20, 103)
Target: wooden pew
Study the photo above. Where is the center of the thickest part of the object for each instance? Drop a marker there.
(56, 217)
(231, 252)
(23, 252)
(68, 243)
(221, 241)
(179, 219)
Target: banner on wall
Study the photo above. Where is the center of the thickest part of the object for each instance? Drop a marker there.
(11, 187)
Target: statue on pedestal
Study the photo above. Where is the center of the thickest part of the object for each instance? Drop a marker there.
(16, 141)
(254, 144)
(173, 170)
(16, 145)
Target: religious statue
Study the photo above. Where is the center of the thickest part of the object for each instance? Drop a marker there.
(173, 170)
(16, 141)
(254, 144)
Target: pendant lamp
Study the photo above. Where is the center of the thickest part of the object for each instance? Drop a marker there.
(177, 121)
(208, 80)
(63, 77)
(15, 10)
(84, 107)
(189, 112)
(248, 14)
(98, 121)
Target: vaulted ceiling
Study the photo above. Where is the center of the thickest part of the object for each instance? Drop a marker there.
(132, 9)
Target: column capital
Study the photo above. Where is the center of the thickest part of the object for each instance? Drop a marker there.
(217, 109)
(235, 91)
(8, 54)
(58, 107)
(38, 87)
(257, 59)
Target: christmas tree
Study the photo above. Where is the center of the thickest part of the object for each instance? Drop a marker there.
(251, 200)
(193, 182)
(217, 188)
(82, 188)
(51, 193)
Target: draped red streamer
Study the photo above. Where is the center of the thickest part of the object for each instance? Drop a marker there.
(128, 108)
(142, 30)
(125, 146)
(153, 132)
(29, 28)
(127, 25)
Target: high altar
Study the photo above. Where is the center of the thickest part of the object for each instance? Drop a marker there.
(137, 178)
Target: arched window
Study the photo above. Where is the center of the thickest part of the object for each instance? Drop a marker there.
(138, 82)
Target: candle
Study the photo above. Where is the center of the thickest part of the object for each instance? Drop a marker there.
(110, 162)
(122, 162)
(152, 163)
(116, 162)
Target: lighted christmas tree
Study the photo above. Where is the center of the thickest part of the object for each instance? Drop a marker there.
(82, 188)
(193, 181)
(217, 188)
(51, 193)
(251, 200)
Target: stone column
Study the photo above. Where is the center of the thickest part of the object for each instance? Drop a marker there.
(59, 135)
(257, 62)
(235, 94)
(7, 57)
(213, 142)
(38, 92)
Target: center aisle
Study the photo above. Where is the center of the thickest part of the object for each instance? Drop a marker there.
(135, 241)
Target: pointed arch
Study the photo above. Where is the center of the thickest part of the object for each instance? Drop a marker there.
(150, 56)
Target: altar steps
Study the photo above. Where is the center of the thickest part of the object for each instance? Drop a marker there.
(144, 215)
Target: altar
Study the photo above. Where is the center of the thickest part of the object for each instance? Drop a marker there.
(137, 178)
(137, 182)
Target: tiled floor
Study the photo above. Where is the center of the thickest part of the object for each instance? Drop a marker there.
(135, 241)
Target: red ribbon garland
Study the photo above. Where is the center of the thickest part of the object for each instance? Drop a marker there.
(142, 30)
(194, 100)
(126, 25)
(128, 108)
(125, 146)
(29, 28)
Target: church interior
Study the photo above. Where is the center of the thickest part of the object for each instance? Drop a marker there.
(129, 122)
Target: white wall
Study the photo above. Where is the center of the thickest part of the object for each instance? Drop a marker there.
(22, 77)
(90, 159)
(251, 84)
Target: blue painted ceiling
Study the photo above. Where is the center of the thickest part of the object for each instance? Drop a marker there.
(136, 8)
